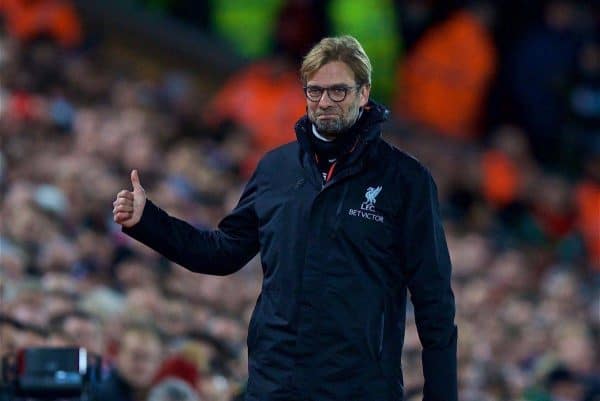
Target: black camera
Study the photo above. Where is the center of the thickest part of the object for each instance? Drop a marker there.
(44, 373)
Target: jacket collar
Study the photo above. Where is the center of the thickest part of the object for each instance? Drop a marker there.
(366, 129)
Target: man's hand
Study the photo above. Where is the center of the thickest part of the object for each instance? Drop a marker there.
(128, 206)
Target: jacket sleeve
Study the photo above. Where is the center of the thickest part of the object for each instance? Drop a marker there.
(428, 271)
(218, 252)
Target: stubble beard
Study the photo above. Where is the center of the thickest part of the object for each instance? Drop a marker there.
(330, 126)
(333, 127)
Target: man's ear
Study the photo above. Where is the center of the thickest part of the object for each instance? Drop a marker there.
(364, 92)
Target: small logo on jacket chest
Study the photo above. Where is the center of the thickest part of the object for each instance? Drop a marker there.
(367, 208)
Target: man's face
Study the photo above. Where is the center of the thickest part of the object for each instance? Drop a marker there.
(85, 332)
(332, 117)
(9, 340)
(140, 357)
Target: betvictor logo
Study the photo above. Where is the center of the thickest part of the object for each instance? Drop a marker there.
(368, 206)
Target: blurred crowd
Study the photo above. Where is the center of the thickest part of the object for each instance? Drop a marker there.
(508, 123)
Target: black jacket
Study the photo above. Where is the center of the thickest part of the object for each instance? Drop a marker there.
(113, 388)
(337, 261)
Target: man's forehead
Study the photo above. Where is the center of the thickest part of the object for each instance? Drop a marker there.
(332, 73)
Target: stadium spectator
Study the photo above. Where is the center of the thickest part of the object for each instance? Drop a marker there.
(374, 24)
(538, 77)
(443, 81)
(30, 20)
(140, 355)
(587, 199)
(232, 20)
(580, 135)
(83, 328)
(252, 99)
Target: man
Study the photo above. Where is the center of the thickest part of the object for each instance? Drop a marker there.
(84, 328)
(344, 223)
(140, 356)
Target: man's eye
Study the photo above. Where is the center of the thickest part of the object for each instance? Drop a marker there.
(315, 91)
(340, 91)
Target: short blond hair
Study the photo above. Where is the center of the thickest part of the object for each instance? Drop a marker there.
(340, 48)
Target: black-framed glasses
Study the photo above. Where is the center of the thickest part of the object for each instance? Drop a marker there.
(336, 93)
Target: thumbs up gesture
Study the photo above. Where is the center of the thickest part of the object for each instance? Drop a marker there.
(129, 205)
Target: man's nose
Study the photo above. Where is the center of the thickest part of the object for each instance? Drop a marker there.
(325, 100)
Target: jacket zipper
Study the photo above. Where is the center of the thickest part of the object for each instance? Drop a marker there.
(343, 175)
(339, 208)
(381, 332)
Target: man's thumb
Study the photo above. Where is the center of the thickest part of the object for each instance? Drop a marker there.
(135, 181)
